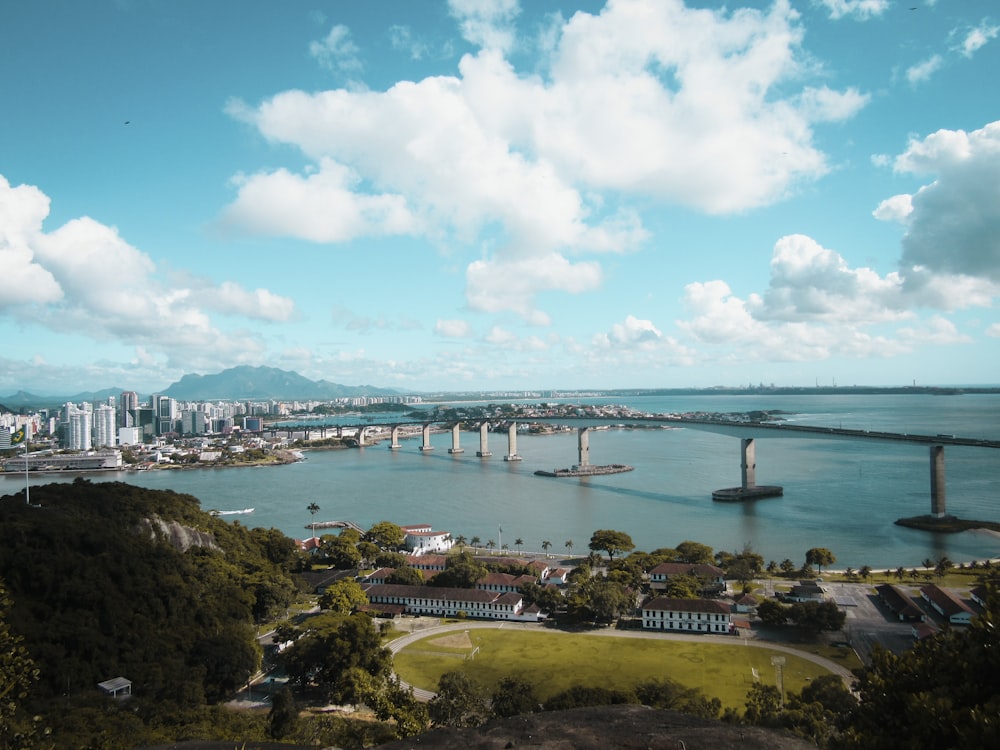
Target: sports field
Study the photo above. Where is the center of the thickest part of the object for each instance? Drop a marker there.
(554, 661)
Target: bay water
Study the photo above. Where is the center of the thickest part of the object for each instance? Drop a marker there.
(840, 494)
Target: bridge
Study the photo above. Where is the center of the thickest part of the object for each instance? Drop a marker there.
(747, 431)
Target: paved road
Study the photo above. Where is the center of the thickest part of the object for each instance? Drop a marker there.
(422, 632)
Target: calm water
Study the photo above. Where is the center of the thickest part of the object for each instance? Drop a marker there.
(841, 494)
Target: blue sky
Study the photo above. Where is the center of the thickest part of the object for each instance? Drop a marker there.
(472, 195)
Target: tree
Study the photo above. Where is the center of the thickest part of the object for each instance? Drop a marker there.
(490, 545)
(459, 702)
(475, 542)
(545, 545)
(772, 612)
(569, 546)
(787, 567)
(694, 552)
(939, 693)
(387, 535)
(343, 596)
(284, 715)
(461, 541)
(17, 675)
(763, 704)
(817, 616)
(407, 576)
(611, 541)
(865, 571)
(342, 654)
(519, 542)
(820, 556)
(514, 697)
(313, 510)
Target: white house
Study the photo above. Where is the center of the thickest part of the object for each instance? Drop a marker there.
(420, 539)
(689, 615)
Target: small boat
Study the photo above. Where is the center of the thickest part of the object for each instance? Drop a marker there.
(243, 512)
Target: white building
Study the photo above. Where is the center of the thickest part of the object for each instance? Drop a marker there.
(449, 602)
(689, 615)
(420, 539)
(105, 426)
(129, 436)
(79, 428)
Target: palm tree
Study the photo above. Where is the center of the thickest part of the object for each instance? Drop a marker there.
(505, 547)
(545, 545)
(490, 544)
(460, 540)
(865, 571)
(900, 572)
(474, 542)
(313, 509)
(569, 545)
(517, 543)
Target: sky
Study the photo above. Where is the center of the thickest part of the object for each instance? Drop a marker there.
(460, 195)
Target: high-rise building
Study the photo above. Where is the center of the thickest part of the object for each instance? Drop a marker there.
(128, 405)
(165, 414)
(105, 432)
(78, 434)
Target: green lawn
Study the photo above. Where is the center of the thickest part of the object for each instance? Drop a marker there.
(555, 661)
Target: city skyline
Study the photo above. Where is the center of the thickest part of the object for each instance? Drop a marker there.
(476, 196)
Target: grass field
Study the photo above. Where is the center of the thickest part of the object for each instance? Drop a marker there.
(553, 662)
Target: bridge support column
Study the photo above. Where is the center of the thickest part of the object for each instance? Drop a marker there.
(455, 447)
(427, 439)
(937, 482)
(362, 435)
(394, 438)
(512, 443)
(484, 451)
(748, 464)
(583, 446)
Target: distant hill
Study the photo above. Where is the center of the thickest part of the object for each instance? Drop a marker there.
(247, 382)
(236, 383)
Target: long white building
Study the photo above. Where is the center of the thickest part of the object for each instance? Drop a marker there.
(689, 615)
(449, 602)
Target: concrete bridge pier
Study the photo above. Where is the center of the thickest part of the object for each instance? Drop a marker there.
(394, 438)
(938, 497)
(748, 464)
(427, 439)
(455, 447)
(512, 443)
(583, 446)
(362, 437)
(484, 431)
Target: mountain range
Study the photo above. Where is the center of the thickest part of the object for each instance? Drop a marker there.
(236, 383)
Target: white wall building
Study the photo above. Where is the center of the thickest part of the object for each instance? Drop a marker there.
(420, 539)
(689, 615)
(105, 426)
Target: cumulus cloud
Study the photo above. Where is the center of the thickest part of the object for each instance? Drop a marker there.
(954, 225)
(639, 102)
(85, 279)
(858, 9)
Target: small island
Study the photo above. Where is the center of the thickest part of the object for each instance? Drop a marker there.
(585, 470)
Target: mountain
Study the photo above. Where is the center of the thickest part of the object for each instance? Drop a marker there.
(247, 382)
(23, 400)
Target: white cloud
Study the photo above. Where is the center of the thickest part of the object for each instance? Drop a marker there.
(978, 37)
(320, 207)
(638, 102)
(859, 9)
(954, 225)
(336, 51)
(24, 280)
(453, 329)
(488, 24)
(86, 280)
(896, 208)
(993, 331)
(923, 70)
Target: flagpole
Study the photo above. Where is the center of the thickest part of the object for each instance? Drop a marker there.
(27, 489)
